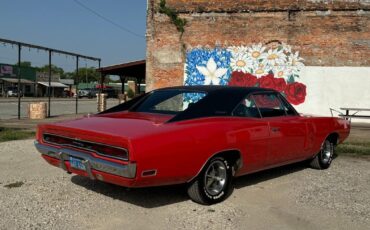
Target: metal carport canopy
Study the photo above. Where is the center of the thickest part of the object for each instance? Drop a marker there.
(53, 84)
(14, 80)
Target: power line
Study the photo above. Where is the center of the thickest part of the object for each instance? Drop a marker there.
(107, 19)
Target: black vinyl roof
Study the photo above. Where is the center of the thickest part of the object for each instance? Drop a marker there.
(219, 101)
(218, 88)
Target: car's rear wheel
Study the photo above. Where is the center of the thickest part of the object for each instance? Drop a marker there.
(323, 159)
(213, 184)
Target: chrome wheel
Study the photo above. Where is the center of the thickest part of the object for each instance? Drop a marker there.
(326, 152)
(215, 178)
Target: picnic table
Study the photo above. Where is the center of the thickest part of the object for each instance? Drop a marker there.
(354, 113)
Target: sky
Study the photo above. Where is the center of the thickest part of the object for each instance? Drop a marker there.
(113, 30)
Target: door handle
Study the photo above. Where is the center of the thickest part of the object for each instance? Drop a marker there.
(275, 129)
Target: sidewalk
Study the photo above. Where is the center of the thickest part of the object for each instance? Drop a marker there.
(29, 124)
(42, 99)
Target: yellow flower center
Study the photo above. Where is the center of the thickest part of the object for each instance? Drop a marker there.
(272, 56)
(280, 73)
(293, 62)
(256, 54)
(259, 71)
(240, 63)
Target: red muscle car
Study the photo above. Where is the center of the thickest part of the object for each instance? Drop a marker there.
(203, 136)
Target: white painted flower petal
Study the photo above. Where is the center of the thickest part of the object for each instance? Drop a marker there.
(207, 80)
(220, 72)
(211, 65)
(203, 70)
(216, 81)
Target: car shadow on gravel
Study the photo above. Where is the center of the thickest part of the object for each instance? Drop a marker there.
(258, 177)
(165, 195)
(145, 197)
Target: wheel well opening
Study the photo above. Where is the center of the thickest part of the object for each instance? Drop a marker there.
(233, 157)
(333, 138)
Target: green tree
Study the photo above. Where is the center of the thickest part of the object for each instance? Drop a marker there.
(25, 64)
(85, 75)
(54, 70)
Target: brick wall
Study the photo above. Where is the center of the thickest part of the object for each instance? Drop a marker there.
(326, 33)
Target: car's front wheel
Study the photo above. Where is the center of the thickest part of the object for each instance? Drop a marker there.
(323, 159)
(213, 184)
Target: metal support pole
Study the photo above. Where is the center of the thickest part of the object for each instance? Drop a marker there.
(101, 79)
(76, 80)
(19, 81)
(49, 88)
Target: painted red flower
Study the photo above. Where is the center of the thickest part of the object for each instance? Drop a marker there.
(265, 101)
(280, 84)
(296, 93)
(242, 79)
(267, 81)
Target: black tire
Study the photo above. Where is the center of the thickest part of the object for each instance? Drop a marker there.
(213, 184)
(323, 159)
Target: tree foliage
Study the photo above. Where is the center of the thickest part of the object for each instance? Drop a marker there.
(88, 74)
(85, 74)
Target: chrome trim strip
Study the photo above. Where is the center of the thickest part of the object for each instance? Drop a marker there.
(90, 162)
(90, 142)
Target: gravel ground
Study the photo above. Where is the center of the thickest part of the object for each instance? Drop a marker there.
(35, 195)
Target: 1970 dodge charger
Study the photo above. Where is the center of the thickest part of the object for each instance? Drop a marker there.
(203, 136)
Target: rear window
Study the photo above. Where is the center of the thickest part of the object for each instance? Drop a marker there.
(169, 101)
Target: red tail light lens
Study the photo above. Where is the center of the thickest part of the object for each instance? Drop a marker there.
(98, 148)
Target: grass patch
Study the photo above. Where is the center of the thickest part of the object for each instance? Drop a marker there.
(7, 134)
(354, 148)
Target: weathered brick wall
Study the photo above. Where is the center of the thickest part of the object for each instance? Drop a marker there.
(326, 33)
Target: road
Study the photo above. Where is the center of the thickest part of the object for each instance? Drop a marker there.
(9, 107)
(35, 195)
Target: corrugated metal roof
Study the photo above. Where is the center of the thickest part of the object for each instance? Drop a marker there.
(15, 80)
(53, 84)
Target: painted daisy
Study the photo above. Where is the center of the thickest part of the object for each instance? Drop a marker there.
(256, 53)
(237, 50)
(281, 71)
(286, 48)
(260, 70)
(275, 57)
(295, 63)
(240, 62)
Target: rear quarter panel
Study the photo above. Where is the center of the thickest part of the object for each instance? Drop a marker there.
(319, 128)
(181, 149)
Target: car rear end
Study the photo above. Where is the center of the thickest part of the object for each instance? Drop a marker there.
(87, 153)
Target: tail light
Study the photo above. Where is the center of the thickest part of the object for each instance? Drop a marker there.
(98, 148)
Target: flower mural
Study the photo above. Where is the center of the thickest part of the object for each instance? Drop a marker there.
(256, 65)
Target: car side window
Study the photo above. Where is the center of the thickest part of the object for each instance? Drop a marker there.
(269, 105)
(246, 108)
(290, 111)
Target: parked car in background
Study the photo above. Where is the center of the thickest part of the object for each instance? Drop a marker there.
(88, 92)
(13, 92)
(68, 93)
(202, 136)
(91, 92)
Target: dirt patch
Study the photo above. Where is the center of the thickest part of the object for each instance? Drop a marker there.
(14, 185)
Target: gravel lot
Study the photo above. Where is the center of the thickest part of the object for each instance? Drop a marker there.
(34, 195)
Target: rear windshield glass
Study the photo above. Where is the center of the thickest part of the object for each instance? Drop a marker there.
(169, 101)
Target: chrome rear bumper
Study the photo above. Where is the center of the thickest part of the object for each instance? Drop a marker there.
(90, 162)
